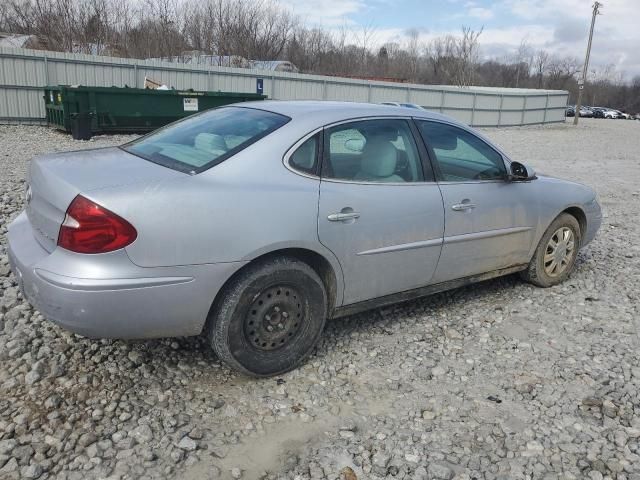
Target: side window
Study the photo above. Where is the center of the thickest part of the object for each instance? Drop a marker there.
(305, 158)
(461, 155)
(380, 151)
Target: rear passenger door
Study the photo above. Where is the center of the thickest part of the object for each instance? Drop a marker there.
(380, 212)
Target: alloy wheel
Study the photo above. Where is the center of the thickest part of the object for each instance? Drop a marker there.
(559, 252)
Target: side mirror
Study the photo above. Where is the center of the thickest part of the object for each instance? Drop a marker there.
(520, 172)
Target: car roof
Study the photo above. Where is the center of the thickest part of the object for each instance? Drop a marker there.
(326, 112)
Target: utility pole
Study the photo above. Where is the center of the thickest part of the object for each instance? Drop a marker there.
(582, 81)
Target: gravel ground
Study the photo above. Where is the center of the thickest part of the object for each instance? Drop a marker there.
(500, 380)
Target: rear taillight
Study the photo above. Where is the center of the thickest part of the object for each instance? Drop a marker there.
(90, 228)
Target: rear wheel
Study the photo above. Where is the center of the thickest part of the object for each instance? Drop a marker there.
(269, 318)
(555, 256)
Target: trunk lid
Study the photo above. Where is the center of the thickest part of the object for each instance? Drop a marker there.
(56, 179)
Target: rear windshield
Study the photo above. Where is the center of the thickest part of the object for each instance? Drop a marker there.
(201, 141)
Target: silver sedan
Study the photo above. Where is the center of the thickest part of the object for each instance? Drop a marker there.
(255, 223)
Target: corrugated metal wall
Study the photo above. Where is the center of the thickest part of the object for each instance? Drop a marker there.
(24, 73)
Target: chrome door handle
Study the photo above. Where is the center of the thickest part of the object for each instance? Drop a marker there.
(460, 207)
(341, 217)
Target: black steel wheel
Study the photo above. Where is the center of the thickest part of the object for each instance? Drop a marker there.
(275, 317)
(269, 318)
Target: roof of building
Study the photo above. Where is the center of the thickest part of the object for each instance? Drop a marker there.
(272, 65)
(14, 40)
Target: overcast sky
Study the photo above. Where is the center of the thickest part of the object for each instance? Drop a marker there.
(559, 26)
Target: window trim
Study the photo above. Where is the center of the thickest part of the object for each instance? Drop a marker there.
(417, 141)
(293, 148)
(436, 166)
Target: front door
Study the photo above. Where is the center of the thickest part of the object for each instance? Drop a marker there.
(490, 222)
(379, 211)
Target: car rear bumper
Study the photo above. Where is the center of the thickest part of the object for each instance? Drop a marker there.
(107, 296)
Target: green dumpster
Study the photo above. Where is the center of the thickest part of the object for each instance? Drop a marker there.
(136, 110)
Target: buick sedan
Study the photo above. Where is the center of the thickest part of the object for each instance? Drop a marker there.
(255, 223)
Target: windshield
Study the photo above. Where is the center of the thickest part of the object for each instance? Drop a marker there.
(201, 141)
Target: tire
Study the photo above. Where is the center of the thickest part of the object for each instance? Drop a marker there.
(539, 272)
(283, 294)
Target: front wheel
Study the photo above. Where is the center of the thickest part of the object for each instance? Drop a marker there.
(555, 256)
(269, 318)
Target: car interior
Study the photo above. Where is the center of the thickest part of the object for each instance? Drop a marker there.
(374, 151)
(460, 155)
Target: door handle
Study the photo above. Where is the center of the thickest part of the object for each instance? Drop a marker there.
(341, 217)
(461, 207)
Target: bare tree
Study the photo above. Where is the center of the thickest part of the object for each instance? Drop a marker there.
(467, 56)
(540, 61)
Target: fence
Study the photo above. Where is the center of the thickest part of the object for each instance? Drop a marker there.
(24, 73)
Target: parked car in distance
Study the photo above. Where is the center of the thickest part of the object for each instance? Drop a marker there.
(406, 105)
(611, 114)
(598, 112)
(637, 116)
(623, 115)
(584, 111)
(254, 223)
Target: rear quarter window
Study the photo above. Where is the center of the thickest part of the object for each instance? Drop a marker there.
(202, 141)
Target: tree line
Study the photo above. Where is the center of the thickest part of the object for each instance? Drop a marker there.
(264, 30)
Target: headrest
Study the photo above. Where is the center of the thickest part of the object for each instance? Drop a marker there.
(379, 158)
(381, 132)
(210, 142)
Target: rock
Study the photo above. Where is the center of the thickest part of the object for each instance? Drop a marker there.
(32, 377)
(347, 473)
(23, 454)
(380, 460)
(420, 474)
(148, 455)
(187, 444)
(135, 357)
(97, 414)
(219, 452)
(7, 445)
(620, 438)
(53, 401)
(10, 467)
(236, 473)
(92, 450)
(533, 449)
(32, 471)
(609, 409)
(176, 455)
(440, 471)
(411, 458)
(142, 434)
(87, 439)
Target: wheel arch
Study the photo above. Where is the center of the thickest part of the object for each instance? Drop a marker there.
(331, 278)
(579, 215)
